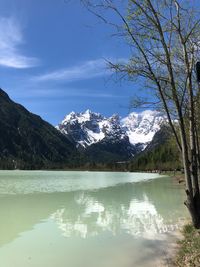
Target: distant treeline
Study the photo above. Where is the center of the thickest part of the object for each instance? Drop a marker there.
(163, 157)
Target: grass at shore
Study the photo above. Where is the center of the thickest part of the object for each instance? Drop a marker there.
(189, 250)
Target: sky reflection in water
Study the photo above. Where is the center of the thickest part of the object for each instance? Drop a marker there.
(111, 209)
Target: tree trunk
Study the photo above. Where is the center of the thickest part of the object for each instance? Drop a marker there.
(193, 205)
(193, 196)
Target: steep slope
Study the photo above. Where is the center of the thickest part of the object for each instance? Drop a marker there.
(110, 151)
(100, 139)
(87, 128)
(84, 128)
(27, 141)
(161, 154)
(141, 127)
(111, 139)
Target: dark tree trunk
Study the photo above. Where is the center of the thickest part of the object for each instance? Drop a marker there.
(191, 178)
(193, 206)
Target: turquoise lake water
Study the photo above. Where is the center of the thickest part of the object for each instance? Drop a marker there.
(87, 219)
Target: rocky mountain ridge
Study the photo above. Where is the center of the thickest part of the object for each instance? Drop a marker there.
(89, 128)
(28, 142)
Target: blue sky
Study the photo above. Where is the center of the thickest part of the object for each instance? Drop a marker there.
(52, 59)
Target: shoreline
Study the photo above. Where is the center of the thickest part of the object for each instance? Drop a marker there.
(178, 236)
(173, 247)
(185, 251)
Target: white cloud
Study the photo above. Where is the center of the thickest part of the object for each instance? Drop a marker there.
(63, 93)
(87, 70)
(11, 38)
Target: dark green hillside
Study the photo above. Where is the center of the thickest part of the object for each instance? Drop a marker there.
(161, 154)
(109, 152)
(27, 141)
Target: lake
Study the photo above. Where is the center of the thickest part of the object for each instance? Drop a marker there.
(87, 219)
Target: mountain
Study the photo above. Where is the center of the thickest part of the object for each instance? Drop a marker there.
(29, 142)
(141, 127)
(85, 139)
(111, 139)
(100, 139)
(86, 128)
(161, 154)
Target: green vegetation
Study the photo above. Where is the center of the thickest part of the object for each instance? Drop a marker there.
(164, 157)
(163, 37)
(28, 142)
(189, 252)
(162, 154)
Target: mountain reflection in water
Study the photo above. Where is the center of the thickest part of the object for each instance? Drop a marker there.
(138, 209)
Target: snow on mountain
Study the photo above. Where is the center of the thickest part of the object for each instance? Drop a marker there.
(141, 127)
(87, 128)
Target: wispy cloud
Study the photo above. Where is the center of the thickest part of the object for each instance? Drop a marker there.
(87, 70)
(11, 38)
(69, 92)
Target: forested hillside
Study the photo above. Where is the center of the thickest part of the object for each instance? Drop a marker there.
(28, 142)
(161, 154)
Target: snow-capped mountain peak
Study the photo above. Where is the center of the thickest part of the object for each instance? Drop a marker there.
(81, 117)
(87, 128)
(141, 127)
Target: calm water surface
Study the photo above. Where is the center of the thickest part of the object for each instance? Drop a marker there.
(87, 219)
